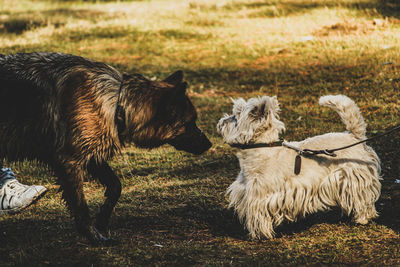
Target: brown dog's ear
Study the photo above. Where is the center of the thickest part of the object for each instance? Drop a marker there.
(181, 88)
(175, 78)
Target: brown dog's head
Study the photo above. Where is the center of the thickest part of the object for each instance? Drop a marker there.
(155, 113)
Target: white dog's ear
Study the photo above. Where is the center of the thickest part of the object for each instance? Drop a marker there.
(275, 106)
(238, 105)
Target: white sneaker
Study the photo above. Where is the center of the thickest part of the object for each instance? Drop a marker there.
(15, 196)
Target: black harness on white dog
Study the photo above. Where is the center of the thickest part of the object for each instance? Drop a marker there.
(310, 152)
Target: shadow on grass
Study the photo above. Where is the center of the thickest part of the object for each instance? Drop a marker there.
(388, 150)
(42, 242)
(19, 25)
(199, 215)
(24, 21)
(183, 222)
(314, 78)
(190, 169)
(132, 34)
(224, 222)
(387, 8)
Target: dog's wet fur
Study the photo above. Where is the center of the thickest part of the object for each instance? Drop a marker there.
(62, 110)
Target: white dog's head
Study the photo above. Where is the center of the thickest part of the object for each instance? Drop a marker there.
(254, 121)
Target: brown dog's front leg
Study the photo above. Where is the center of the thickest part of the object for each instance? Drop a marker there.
(70, 176)
(107, 177)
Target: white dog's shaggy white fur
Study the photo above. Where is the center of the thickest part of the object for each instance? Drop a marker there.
(267, 192)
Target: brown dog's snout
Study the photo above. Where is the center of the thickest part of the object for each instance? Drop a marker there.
(205, 143)
(193, 141)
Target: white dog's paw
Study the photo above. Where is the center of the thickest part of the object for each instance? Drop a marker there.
(362, 221)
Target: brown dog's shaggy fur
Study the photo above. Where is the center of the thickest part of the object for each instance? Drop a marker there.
(74, 114)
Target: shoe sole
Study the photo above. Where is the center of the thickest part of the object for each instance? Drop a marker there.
(17, 210)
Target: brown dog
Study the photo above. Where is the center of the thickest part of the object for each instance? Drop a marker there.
(74, 114)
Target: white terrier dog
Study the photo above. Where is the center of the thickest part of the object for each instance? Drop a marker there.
(267, 191)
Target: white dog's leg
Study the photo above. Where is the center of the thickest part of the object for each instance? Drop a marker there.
(253, 207)
(355, 190)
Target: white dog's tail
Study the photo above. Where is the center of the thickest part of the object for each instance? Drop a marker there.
(348, 112)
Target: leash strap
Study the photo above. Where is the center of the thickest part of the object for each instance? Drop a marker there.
(331, 152)
(258, 145)
(311, 152)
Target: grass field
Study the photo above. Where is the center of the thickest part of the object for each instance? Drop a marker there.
(173, 210)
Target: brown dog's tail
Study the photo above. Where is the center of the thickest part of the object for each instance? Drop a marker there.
(348, 112)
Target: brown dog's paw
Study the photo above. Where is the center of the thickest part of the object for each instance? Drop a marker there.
(103, 238)
(98, 238)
